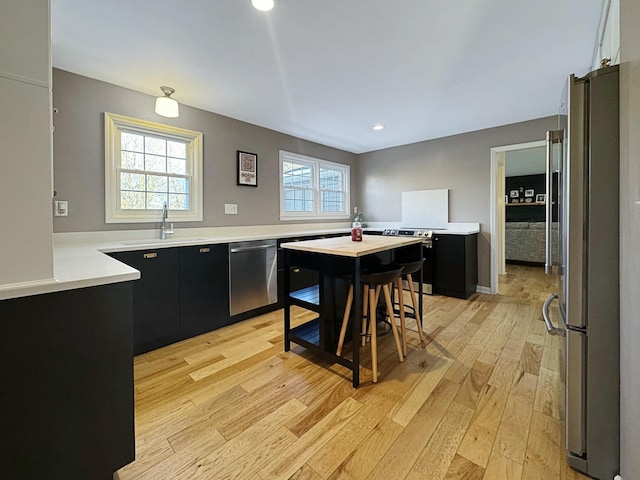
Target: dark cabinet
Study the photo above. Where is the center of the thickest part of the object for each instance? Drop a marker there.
(156, 297)
(67, 384)
(302, 278)
(455, 264)
(204, 288)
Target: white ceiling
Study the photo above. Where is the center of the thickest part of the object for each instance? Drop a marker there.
(328, 70)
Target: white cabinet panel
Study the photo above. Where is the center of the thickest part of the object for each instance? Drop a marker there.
(24, 36)
(25, 183)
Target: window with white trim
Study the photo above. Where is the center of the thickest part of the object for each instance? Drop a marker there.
(147, 165)
(312, 188)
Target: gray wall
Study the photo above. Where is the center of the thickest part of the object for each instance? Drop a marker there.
(461, 163)
(78, 154)
(629, 238)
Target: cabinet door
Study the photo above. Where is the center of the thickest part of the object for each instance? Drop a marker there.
(299, 278)
(449, 264)
(204, 288)
(156, 297)
(455, 265)
(302, 278)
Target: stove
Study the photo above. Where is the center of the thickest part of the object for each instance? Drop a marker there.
(423, 233)
(427, 252)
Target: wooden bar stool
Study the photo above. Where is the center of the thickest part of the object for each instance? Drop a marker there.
(373, 283)
(407, 269)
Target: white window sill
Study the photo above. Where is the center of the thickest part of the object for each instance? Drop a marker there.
(286, 218)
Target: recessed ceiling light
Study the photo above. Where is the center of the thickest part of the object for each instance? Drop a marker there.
(262, 5)
(378, 126)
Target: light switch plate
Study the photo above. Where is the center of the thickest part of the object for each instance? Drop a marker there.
(230, 208)
(61, 208)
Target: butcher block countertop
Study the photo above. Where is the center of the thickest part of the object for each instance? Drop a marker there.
(345, 247)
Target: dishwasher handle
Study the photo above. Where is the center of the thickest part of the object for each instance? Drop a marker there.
(250, 249)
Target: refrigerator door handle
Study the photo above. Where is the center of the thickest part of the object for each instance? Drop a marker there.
(551, 328)
(553, 137)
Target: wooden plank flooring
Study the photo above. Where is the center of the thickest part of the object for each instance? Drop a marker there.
(479, 401)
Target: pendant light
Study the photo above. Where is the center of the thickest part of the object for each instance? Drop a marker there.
(262, 5)
(167, 106)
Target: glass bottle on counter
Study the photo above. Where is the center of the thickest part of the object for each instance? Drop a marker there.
(356, 232)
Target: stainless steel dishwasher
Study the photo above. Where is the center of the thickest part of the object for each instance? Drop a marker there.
(253, 275)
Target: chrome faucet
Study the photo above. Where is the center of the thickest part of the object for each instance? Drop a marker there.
(164, 231)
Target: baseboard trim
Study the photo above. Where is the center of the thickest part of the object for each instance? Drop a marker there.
(481, 289)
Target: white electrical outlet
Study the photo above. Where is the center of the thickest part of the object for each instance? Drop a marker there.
(61, 208)
(230, 208)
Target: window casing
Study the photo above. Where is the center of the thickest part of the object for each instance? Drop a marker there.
(147, 164)
(311, 188)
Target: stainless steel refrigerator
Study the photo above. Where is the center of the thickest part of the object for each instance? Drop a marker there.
(585, 154)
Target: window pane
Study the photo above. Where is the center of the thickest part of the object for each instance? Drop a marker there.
(298, 200)
(330, 179)
(156, 200)
(132, 181)
(156, 183)
(177, 166)
(149, 165)
(132, 161)
(132, 142)
(297, 174)
(332, 202)
(178, 185)
(132, 200)
(154, 163)
(156, 146)
(176, 149)
(178, 202)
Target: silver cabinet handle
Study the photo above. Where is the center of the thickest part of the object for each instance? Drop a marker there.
(551, 329)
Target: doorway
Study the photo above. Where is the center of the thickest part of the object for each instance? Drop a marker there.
(508, 161)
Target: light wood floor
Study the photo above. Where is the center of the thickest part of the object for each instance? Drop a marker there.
(480, 401)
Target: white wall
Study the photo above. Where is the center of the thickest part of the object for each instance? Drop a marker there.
(460, 163)
(630, 238)
(26, 224)
(78, 146)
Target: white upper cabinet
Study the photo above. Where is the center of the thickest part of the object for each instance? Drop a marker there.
(25, 135)
(25, 40)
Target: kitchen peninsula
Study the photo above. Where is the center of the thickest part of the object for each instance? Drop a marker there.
(337, 260)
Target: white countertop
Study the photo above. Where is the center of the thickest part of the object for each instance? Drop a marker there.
(79, 259)
(74, 267)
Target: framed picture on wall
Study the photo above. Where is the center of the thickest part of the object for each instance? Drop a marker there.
(514, 193)
(247, 168)
(541, 198)
(529, 192)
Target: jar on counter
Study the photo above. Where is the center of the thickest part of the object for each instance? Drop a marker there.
(356, 232)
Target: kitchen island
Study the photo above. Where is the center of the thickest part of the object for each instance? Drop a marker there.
(338, 260)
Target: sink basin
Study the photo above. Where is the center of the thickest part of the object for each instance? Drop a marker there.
(158, 241)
